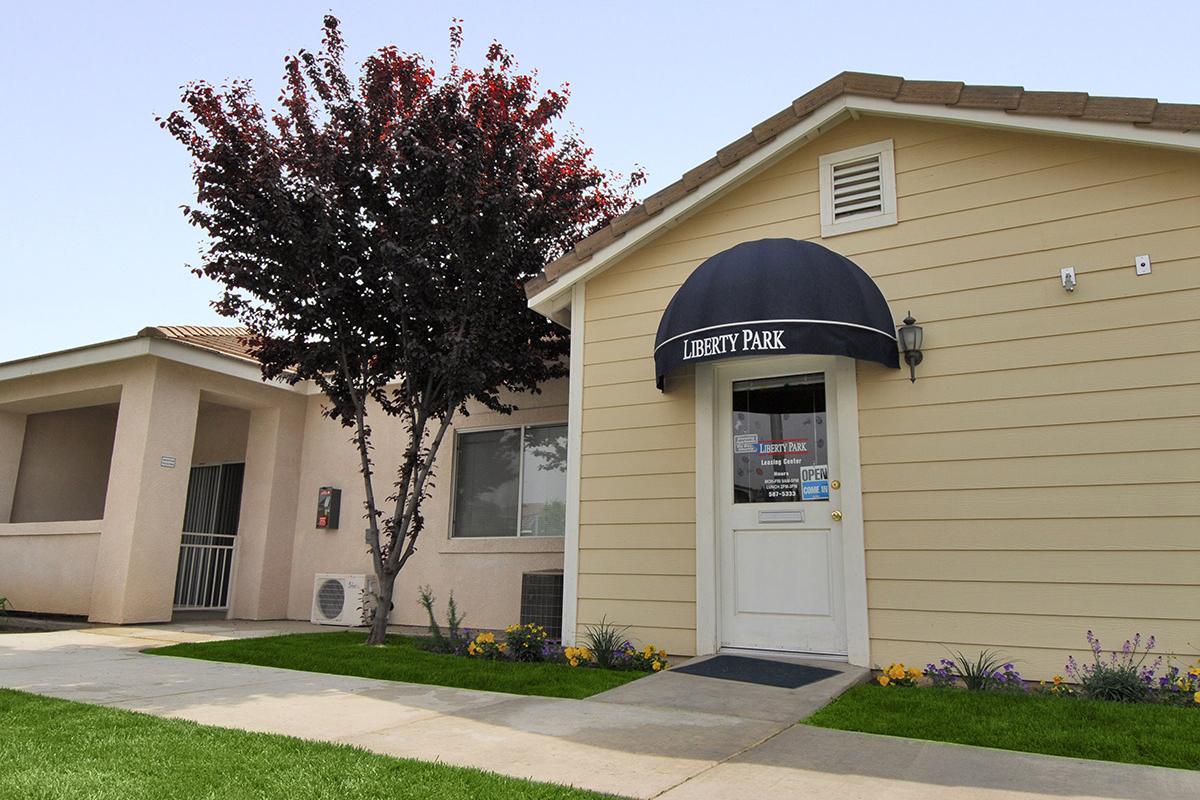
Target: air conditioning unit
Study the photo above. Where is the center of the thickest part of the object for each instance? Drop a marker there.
(342, 599)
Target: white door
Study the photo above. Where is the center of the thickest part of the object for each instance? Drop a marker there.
(779, 534)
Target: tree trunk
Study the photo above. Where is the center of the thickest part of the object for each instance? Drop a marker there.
(387, 585)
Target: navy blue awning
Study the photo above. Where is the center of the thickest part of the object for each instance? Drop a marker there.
(772, 297)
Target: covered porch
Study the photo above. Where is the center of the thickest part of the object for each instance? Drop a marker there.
(145, 477)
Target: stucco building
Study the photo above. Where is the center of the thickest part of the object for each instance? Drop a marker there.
(774, 482)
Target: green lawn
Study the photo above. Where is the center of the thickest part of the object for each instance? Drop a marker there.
(55, 749)
(343, 653)
(1162, 736)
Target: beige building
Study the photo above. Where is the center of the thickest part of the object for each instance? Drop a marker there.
(746, 469)
(158, 474)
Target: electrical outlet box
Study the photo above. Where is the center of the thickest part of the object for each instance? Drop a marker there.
(1067, 274)
(1141, 265)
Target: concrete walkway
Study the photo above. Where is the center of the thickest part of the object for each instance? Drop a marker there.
(673, 736)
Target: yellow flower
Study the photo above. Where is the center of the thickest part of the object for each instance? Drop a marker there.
(1058, 679)
(896, 671)
(884, 680)
(915, 673)
(657, 665)
(1196, 697)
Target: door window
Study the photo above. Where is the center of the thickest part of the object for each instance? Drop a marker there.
(780, 447)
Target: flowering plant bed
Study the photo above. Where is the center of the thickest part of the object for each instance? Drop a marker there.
(529, 643)
(1134, 733)
(1121, 706)
(407, 658)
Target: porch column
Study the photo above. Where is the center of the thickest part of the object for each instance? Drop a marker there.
(267, 525)
(12, 440)
(143, 511)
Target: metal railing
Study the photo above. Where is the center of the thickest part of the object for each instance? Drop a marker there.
(205, 567)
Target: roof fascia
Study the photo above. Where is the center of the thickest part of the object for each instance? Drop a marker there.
(1122, 132)
(132, 347)
(103, 352)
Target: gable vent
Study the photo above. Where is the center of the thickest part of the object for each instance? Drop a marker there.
(857, 188)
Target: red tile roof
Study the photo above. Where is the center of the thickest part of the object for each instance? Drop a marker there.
(225, 340)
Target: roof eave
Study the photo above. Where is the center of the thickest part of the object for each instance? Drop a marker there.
(175, 350)
(551, 293)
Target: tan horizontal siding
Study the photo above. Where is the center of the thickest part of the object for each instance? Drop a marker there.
(1144, 500)
(1082, 600)
(675, 588)
(1120, 567)
(635, 535)
(1098, 469)
(633, 486)
(1166, 202)
(678, 615)
(644, 462)
(1064, 438)
(1043, 474)
(615, 512)
(628, 440)
(1054, 379)
(1082, 533)
(637, 562)
(1119, 404)
(1019, 630)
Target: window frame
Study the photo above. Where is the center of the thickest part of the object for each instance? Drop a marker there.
(887, 189)
(520, 483)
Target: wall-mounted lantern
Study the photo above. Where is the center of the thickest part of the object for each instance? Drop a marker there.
(908, 339)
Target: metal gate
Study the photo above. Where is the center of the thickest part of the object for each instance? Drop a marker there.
(210, 522)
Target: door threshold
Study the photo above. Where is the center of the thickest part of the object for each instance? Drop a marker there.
(763, 651)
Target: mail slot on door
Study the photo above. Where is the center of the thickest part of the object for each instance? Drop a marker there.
(767, 517)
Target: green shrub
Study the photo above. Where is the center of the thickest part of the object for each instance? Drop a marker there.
(452, 640)
(1123, 677)
(605, 641)
(988, 670)
(526, 642)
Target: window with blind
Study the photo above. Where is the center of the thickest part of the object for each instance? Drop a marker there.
(510, 482)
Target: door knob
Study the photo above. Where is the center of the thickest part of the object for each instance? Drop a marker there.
(835, 484)
(837, 516)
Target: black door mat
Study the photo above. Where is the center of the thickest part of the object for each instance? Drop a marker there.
(757, 670)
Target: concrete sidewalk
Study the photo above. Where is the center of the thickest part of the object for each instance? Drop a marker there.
(674, 736)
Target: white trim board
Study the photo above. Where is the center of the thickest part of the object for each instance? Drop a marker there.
(557, 296)
(570, 614)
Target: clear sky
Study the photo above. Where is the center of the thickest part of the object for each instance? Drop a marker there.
(93, 246)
